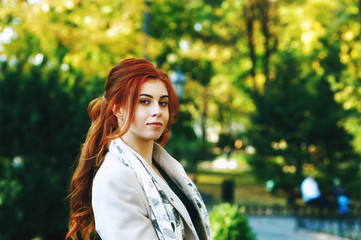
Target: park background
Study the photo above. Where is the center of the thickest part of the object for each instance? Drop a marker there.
(271, 92)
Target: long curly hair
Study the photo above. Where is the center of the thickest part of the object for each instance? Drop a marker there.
(122, 90)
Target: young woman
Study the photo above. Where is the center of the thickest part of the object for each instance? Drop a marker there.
(126, 186)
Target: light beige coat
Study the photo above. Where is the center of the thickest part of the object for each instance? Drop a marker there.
(120, 206)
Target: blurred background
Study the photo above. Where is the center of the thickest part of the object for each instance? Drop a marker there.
(269, 91)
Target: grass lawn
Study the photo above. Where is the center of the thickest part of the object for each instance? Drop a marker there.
(247, 189)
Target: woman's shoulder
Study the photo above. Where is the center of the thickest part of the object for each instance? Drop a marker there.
(114, 168)
(114, 184)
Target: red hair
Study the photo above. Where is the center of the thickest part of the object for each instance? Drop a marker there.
(122, 90)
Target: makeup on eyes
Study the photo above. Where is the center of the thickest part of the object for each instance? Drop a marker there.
(144, 99)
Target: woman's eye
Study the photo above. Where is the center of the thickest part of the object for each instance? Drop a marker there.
(163, 104)
(144, 101)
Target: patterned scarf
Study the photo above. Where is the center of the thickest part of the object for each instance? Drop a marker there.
(165, 218)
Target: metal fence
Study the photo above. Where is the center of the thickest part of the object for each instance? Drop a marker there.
(311, 218)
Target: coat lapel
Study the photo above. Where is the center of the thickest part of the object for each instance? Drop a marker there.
(174, 170)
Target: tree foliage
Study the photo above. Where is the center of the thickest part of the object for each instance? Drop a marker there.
(43, 122)
(298, 123)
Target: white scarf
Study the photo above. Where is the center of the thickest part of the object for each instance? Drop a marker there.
(165, 218)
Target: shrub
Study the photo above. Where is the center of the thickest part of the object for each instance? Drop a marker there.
(228, 223)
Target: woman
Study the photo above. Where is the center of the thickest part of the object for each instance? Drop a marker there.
(126, 186)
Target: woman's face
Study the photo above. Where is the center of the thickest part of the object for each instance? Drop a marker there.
(151, 115)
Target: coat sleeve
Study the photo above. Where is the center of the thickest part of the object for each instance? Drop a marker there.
(119, 204)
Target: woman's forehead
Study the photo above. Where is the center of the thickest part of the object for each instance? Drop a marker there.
(153, 86)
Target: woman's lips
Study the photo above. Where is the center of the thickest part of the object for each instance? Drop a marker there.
(155, 124)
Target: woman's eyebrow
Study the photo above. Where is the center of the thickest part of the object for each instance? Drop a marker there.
(150, 96)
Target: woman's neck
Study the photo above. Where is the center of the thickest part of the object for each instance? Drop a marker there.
(143, 148)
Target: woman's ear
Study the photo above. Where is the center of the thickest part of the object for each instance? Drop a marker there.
(117, 111)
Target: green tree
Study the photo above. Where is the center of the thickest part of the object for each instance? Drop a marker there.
(297, 76)
(297, 122)
(44, 119)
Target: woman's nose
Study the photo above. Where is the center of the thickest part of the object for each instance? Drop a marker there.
(156, 110)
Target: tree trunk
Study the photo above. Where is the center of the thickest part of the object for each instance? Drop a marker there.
(248, 12)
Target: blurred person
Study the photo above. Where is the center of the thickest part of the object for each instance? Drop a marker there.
(311, 193)
(126, 186)
(343, 204)
(339, 195)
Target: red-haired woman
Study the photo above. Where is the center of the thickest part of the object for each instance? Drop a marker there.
(126, 186)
